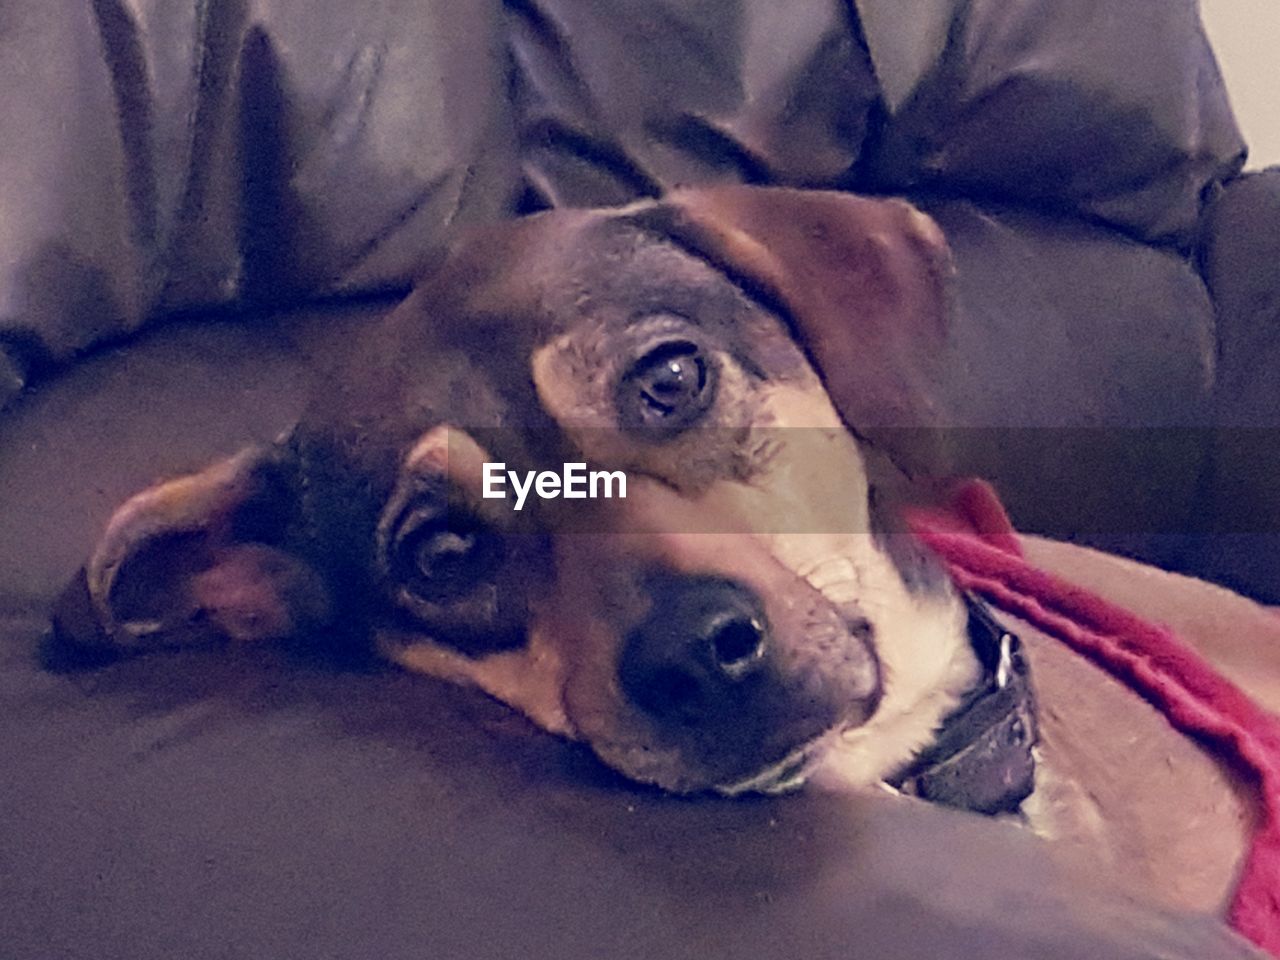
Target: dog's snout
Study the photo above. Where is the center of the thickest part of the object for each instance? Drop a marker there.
(691, 658)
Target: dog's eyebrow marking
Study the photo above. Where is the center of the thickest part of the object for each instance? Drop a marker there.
(449, 451)
(452, 455)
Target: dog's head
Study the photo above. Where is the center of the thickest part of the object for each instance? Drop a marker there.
(723, 353)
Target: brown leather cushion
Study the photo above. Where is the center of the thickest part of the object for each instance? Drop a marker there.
(1240, 248)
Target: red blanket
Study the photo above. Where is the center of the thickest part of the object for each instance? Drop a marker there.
(978, 544)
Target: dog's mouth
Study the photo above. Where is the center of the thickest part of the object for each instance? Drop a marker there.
(786, 776)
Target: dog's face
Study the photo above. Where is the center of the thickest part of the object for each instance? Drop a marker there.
(719, 626)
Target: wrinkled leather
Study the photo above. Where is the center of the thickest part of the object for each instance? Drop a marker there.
(162, 156)
(275, 149)
(627, 98)
(1111, 110)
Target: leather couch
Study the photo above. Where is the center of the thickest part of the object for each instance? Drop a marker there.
(201, 202)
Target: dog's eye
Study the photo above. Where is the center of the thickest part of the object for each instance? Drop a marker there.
(446, 556)
(668, 388)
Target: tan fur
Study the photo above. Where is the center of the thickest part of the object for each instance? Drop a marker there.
(529, 680)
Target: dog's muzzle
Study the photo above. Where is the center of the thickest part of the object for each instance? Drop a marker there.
(714, 679)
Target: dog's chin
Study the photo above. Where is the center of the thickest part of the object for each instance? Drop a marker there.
(786, 776)
(667, 771)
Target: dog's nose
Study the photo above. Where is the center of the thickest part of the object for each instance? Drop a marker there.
(694, 658)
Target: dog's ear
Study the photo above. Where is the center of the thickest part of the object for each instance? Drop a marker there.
(864, 284)
(193, 560)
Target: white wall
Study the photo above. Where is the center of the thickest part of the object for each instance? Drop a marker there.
(1246, 38)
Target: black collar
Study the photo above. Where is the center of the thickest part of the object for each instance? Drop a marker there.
(982, 758)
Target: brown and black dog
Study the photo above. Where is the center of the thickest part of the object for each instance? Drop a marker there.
(754, 362)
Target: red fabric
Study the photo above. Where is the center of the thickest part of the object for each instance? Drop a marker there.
(977, 543)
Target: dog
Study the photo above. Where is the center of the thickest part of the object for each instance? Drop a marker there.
(755, 366)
